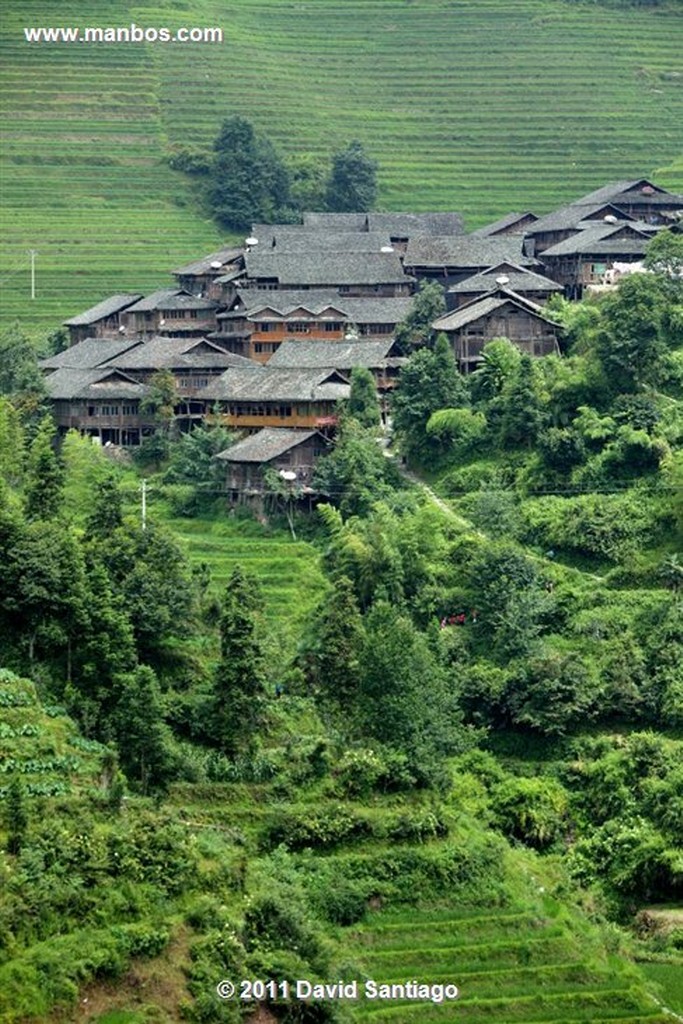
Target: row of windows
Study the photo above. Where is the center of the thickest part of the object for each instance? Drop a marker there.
(113, 410)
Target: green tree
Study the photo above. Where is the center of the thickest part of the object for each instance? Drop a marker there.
(193, 458)
(500, 362)
(249, 181)
(553, 693)
(352, 185)
(44, 476)
(330, 658)
(106, 510)
(428, 382)
(16, 815)
(238, 690)
(664, 255)
(12, 444)
(308, 181)
(405, 698)
(416, 328)
(521, 408)
(142, 736)
(19, 371)
(634, 333)
(363, 403)
(356, 473)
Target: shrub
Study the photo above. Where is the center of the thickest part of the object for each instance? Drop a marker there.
(534, 810)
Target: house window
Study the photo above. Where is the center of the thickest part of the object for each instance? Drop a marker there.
(344, 289)
(264, 328)
(193, 314)
(298, 327)
(129, 409)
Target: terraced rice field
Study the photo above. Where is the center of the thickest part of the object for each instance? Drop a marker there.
(288, 571)
(476, 105)
(508, 966)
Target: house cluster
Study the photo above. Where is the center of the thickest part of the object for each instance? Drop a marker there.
(265, 336)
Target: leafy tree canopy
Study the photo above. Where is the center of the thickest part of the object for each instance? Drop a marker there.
(352, 185)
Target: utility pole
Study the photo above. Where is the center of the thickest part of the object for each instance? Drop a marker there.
(33, 253)
(144, 504)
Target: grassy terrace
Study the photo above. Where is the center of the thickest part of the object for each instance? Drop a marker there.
(507, 966)
(288, 571)
(479, 106)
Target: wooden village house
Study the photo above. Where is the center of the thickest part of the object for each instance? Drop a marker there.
(101, 321)
(290, 453)
(257, 396)
(501, 314)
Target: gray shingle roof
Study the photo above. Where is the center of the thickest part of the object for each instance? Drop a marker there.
(574, 215)
(266, 445)
(114, 304)
(341, 355)
(300, 239)
(177, 353)
(518, 280)
(601, 239)
(261, 383)
(150, 302)
(89, 353)
(331, 269)
(358, 309)
(203, 266)
(510, 220)
(488, 304)
(169, 299)
(466, 251)
(98, 383)
(397, 225)
(615, 190)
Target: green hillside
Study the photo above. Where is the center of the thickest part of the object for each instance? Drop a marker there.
(479, 106)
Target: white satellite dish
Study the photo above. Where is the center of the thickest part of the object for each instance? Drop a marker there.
(287, 475)
(610, 219)
(387, 248)
(251, 240)
(216, 264)
(162, 322)
(503, 279)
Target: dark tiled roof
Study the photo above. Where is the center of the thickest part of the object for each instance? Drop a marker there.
(266, 445)
(97, 383)
(203, 266)
(341, 355)
(616, 190)
(150, 302)
(301, 239)
(330, 269)
(601, 239)
(397, 225)
(177, 353)
(488, 304)
(261, 383)
(114, 304)
(574, 215)
(170, 299)
(510, 220)
(358, 309)
(518, 280)
(89, 353)
(465, 251)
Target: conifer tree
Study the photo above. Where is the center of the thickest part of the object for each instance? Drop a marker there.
(238, 693)
(44, 483)
(363, 403)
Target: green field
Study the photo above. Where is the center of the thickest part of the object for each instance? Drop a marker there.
(507, 966)
(480, 106)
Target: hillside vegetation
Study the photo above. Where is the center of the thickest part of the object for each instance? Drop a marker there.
(480, 107)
